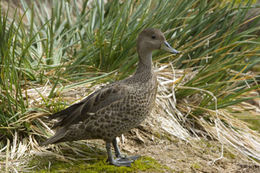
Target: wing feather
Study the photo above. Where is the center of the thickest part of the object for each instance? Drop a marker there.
(87, 107)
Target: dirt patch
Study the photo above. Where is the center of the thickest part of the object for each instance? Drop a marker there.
(181, 156)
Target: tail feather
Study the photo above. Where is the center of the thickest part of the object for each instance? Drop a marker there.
(55, 139)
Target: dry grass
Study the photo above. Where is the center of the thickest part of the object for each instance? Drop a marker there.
(169, 117)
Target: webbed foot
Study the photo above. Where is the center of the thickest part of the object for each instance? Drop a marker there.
(133, 158)
(124, 161)
(120, 160)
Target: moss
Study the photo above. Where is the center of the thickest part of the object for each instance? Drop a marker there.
(229, 155)
(157, 134)
(165, 136)
(196, 166)
(254, 123)
(253, 120)
(95, 166)
(170, 138)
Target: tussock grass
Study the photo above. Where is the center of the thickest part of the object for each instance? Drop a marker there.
(52, 52)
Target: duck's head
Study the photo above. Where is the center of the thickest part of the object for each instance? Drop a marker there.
(151, 39)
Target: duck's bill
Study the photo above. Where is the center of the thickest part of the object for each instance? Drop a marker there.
(166, 46)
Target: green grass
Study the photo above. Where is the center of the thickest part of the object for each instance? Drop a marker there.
(64, 45)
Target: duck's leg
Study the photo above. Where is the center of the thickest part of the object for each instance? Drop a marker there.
(117, 151)
(116, 162)
(119, 155)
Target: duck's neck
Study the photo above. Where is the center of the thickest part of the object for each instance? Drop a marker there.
(145, 62)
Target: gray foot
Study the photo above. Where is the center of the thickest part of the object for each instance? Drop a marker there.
(120, 160)
(123, 161)
(132, 158)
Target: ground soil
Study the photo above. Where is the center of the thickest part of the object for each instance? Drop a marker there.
(195, 156)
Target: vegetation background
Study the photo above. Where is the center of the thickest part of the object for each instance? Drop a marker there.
(53, 53)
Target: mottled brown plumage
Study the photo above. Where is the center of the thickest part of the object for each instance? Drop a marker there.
(117, 107)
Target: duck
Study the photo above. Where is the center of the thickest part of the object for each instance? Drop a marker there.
(117, 107)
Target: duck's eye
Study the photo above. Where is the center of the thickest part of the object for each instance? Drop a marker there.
(153, 37)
